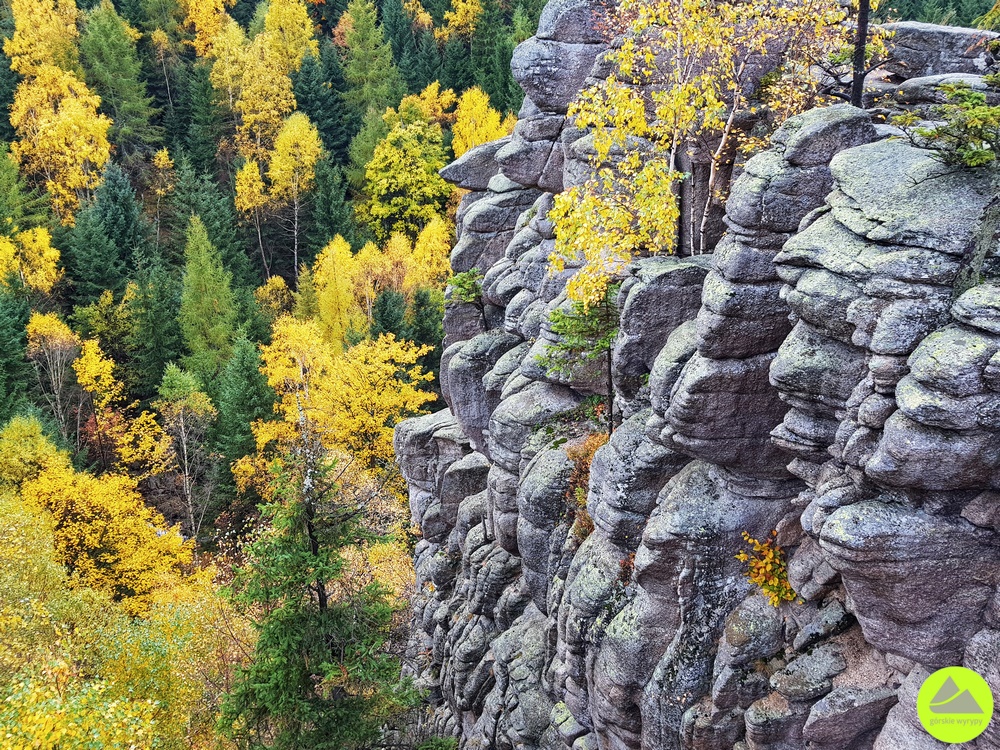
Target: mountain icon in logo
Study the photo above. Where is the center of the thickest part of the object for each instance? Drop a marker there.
(951, 699)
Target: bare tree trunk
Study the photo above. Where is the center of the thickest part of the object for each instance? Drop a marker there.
(860, 49)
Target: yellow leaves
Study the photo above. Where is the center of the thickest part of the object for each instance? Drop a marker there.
(460, 20)
(351, 401)
(229, 53)
(767, 568)
(264, 100)
(250, 190)
(45, 33)
(134, 444)
(62, 141)
(106, 536)
(431, 106)
(429, 265)
(333, 277)
(297, 149)
(274, 298)
(95, 374)
(206, 19)
(681, 74)
(290, 32)
(25, 452)
(476, 122)
(31, 257)
(48, 331)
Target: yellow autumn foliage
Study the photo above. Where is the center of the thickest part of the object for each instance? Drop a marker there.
(476, 122)
(30, 256)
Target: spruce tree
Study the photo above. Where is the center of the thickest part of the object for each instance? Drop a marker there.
(389, 315)
(491, 50)
(425, 66)
(156, 339)
(323, 104)
(8, 80)
(198, 195)
(15, 372)
(399, 31)
(244, 397)
(207, 312)
(311, 632)
(21, 206)
(373, 80)
(94, 262)
(426, 314)
(118, 210)
(457, 73)
(332, 212)
(204, 130)
(113, 71)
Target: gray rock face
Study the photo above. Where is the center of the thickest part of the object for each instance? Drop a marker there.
(923, 49)
(827, 380)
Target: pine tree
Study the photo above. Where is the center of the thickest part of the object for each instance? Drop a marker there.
(374, 81)
(15, 372)
(114, 72)
(120, 215)
(157, 335)
(389, 315)
(94, 262)
(207, 313)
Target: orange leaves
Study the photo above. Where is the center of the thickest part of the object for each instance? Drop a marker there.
(767, 568)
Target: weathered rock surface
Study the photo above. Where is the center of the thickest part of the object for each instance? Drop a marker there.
(828, 377)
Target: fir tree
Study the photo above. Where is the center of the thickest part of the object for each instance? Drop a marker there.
(389, 315)
(94, 262)
(207, 312)
(15, 372)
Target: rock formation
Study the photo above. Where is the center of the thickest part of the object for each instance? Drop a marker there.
(831, 371)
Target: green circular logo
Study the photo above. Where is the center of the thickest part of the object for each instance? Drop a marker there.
(955, 705)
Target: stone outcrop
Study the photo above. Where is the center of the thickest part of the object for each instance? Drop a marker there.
(831, 372)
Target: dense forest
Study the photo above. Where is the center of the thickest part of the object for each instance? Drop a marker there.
(224, 249)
